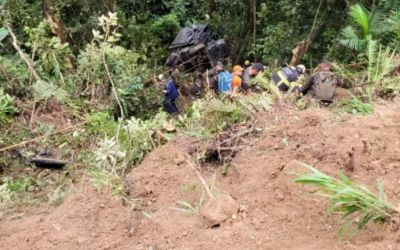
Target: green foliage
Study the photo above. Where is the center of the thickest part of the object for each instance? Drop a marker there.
(45, 90)
(165, 28)
(6, 106)
(138, 101)
(14, 192)
(108, 155)
(139, 137)
(355, 106)
(361, 16)
(376, 26)
(3, 33)
(351, 39)
(102, 123)
(380, 62)
(53, 55)
(14, 76)
(211, 115)
(356, 203)
(21, 185)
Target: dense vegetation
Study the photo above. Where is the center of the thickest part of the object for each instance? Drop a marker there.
(85, 59)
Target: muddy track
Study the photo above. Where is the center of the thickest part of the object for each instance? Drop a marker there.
(275, 213)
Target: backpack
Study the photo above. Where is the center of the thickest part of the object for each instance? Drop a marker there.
(325, 86)
(172, 91)
(224, 81)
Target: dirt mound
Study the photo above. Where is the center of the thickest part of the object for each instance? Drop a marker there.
(274, 212)
(86, 220)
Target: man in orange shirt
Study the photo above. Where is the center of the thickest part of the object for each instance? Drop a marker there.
(236, 78)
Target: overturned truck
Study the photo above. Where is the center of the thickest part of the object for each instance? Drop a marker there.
(197, 48)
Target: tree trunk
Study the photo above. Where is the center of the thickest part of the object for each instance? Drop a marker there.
(211, 7)
(302, 48)
(111, 5)
(51, 16)
(254, 21)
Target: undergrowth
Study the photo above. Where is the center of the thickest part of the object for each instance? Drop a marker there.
(355, 106)
(357, 205)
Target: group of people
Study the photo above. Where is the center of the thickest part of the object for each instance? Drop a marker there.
(222, 81)
(321, 84)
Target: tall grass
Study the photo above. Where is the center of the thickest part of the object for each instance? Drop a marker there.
(357, 205)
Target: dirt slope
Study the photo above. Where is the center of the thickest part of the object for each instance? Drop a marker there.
(275, 213)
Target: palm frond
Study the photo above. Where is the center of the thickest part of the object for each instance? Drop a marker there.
(361, 16)
(351, 40)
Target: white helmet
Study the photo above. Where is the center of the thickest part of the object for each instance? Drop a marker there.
(160, 77)
(301, 68)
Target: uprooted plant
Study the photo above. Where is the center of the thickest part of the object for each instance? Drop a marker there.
(357, 205)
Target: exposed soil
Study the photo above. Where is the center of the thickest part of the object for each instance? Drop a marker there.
(274, 212)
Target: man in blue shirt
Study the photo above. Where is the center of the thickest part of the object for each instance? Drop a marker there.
(171, 93)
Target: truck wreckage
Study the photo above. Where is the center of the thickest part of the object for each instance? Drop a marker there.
(197, 48)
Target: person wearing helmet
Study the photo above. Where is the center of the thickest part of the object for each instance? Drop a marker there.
(248, 74)
(287, 77)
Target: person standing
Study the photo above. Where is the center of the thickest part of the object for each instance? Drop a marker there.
(170, 94)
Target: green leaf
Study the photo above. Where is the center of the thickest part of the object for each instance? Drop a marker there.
(361, 16)
(3, 33)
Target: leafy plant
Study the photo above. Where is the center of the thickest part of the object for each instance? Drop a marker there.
(108, 155)
(102, 123)
(141, 137)
(370, 25)
(355, 106)
(43, 90)
(53, 55)
(6, 106)
(355, 202)
(380, 61)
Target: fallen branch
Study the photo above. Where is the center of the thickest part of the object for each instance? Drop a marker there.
(203, 182)
(42, 136)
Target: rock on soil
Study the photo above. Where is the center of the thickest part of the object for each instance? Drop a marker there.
(218, 210)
